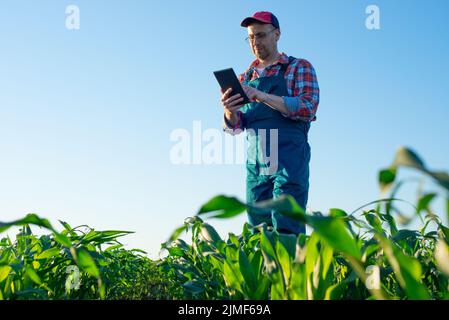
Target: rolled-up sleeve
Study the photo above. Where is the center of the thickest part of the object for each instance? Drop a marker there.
(302, 84)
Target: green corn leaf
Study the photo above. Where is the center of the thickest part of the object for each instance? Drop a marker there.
(272, 265)
(441, 257)
(386, 178)
(447, 210)
(62, 239)
(232, 238)
(48, 253)
(4, 272)
(256, 260)
(247, 272)
(443, 231)
(68, 228)
(407, 270)
(298, 283)
(195, 287)
(33, 275)
(391, 223)
(29, 219)
(176, 252)
(222, 207)
(408, 158)
(89, 236)
(289, 242)
(405, 234)
(38, 221)
(139, 250)
(111, 248)
(336, 291)
(327, 254)
(262, 289)
(102, 289)
(177, 233)
(424, 202)
(105, 236)
(284, 204)
(374, 221)
(232, 276)
(87, 263)
(335, 232)
(337, 213)
(285, 261)
(442, 178)
(269, 254)
(181, 244)
(209, 234)
(369, 249)
(312, 261)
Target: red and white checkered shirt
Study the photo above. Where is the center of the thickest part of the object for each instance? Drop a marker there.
(302, 86)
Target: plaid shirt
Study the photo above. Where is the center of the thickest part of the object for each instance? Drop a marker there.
(302, 86)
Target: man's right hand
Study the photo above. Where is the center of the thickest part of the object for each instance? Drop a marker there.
(231, 104)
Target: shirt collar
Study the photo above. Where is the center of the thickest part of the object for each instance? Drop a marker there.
(282, 58)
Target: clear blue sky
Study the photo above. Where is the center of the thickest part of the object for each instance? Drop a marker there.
(85, 116)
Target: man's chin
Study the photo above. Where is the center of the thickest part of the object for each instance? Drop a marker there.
(260, 56)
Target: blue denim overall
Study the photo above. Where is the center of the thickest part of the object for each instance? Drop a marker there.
(264, 179)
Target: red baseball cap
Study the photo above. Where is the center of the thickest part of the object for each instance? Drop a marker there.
(261, 16)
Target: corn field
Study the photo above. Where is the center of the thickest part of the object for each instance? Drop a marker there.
(365, 254)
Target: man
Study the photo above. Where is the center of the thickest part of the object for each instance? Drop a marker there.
(285, 95)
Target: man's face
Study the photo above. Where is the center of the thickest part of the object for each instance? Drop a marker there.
(263, 39)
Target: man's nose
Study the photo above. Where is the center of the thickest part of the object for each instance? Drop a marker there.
(256, 44)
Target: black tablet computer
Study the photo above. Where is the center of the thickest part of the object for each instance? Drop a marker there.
(227, 79)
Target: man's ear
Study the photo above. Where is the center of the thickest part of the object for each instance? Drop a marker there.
(278, 34)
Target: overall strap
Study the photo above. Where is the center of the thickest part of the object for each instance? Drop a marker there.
(284, 66)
